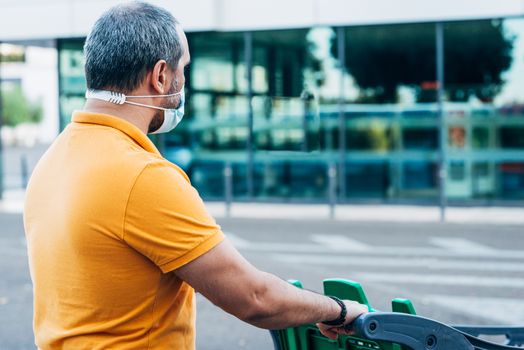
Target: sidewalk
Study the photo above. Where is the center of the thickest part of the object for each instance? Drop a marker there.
(13, 202)
(363, 212)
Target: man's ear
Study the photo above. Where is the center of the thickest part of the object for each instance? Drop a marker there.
(158, 78)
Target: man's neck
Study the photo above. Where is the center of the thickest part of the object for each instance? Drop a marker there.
(136, 115)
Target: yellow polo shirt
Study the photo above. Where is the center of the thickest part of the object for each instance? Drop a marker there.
(107, 219)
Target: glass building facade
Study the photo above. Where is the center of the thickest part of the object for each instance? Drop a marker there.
(283, 107)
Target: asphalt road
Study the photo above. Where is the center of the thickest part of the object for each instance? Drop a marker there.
(455, 273)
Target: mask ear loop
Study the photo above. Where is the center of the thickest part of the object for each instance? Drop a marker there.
(108, 96)
(151, 96)
(148, 106)
(120, 98)
(154, 96)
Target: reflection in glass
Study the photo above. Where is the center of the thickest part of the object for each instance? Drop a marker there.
(480, 137)
(484, 78)
(72, 83)
(389, 91)
(374, 112)
(456, 136)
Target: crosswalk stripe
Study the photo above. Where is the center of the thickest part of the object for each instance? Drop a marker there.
(339, 242)
(460, 245)
(243, 244)
(427, 263)
(353, 247)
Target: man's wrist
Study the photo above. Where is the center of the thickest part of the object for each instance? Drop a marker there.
(341, 317)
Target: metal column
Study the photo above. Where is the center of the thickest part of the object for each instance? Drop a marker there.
(439, 37)
(248, 57)
(228, 187)
(341, 42)
(332, 191)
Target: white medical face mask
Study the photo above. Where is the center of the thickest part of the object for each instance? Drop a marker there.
(172, 116)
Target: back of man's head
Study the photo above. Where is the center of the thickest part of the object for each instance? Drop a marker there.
(126, 42)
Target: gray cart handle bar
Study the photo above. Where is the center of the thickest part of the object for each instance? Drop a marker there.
(419, 333)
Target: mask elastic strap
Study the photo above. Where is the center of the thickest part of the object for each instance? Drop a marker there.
(154, 96)
(143, 105)
(119, 98)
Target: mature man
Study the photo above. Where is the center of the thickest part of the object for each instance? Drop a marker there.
(117, 237)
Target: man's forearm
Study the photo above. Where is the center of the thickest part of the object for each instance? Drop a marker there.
(279, 304)
(229, 281)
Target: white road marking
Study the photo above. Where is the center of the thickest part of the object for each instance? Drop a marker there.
(244, 244)
(461, 245)
(441, 280)
(424, 251)
(339, 242)
(428, 263)
(3, 300)
(10, 207)
(495, 310)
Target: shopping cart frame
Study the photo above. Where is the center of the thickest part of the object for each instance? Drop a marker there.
(401, 329)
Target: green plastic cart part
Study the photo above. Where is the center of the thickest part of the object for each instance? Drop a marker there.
(404, 306)
(346, 289)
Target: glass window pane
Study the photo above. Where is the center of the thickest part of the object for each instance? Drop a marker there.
(390, 107)
(420, 139)
(289, 85)
(511, 180)
(72, 83)
(418, 176)
(456, 136)
(483, 75)
(215, 130)
(480, 137)
(511, 137)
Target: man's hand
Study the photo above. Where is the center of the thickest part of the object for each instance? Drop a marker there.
(354, 310)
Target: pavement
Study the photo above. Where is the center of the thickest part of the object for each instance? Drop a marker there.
(458, 273)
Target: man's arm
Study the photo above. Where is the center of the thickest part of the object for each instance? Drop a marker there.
(229, 281)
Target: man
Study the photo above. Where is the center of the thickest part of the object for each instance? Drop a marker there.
(117, 238)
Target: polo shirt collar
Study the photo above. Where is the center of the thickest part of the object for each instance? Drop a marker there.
(117, 123)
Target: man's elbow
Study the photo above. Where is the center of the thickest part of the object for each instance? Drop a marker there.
(258, 310)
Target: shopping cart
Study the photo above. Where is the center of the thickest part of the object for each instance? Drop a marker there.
(401, 329)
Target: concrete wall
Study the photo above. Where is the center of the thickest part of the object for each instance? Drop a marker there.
(37, 19)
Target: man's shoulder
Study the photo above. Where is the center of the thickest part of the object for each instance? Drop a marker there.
(160, 169)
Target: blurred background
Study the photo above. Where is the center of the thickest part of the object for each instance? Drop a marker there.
(281, 90)
(363, 105)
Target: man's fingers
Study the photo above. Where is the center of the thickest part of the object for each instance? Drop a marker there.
(355, 309)
(346, 330)
(329, 332)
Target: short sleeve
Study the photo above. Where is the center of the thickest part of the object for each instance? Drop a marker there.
(166, 219)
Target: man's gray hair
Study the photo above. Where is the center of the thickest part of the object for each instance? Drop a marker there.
(126, 42)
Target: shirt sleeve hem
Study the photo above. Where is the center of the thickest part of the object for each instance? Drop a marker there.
(194, 253)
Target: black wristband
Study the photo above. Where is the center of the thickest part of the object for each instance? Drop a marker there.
(342, 317)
